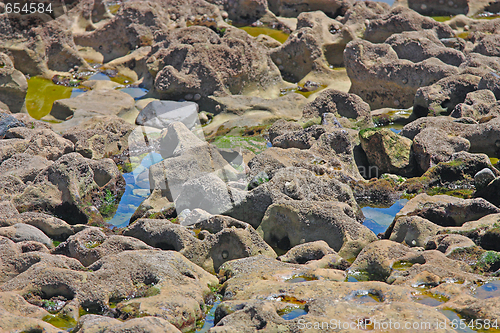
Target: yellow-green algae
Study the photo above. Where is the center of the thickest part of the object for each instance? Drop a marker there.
(42, 93)
(279, 35)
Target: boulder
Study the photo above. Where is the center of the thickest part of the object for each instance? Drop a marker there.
(291, 183)
(484, 232)
(446, 210)
(381, 79)
(341, 105)
(479, 105)
(177, 138)
(490, 81)
(127, 278)
(490, 192)
(316, 44)
(7, 122)
(390, 152)
(21, 232)
(413, 231)
(93, 103)
(191, 68)
(24, 166)
(431, 8)
(139, 22)
(170, 174)
(290, 223)
(440, 98)
(488, 45)
(401, 19)
(100, 136)
(449, 243)
(245, 11)
(483, 178)
(160, 114)
(304, 253)
(91, 244)
(289, 8)
(432, 146)
(417, 46)
(53, 227)
(72, 188)
(39, 46)
(219, 239)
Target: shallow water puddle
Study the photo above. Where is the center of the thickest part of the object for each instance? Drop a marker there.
(136, 191)
(365, 296)
(279, 35)
(209, 319)
(292, 312)
(42, 93)
(378, 219)
(488, 290)
(60, 321)
(300, 278)
(455, 319)
(429, 299)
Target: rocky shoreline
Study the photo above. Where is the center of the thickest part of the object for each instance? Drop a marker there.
(250, 166)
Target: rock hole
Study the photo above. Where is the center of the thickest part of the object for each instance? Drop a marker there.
(101, 177)
(165, 246)
(70, 213)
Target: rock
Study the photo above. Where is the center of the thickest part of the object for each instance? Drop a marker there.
(42, 142)
(220, 239)
(177, 138)
(195, 216)
(72, 187)
(490, 192)
(390, 152)
(11, 323)
(45, 46)
(389, 81)
(7, 210)
(488, 45)
(139, 22)
(449, 243)
(303, 253)
(441, 98)
(431, 8)
(13, 88)
(155, 206)
(159, 114)
(446, 210)
(247, 11)
(301, 139)
(7, 122)
(170, 174)
(490, 81)
(52, 226)
(291, 183)
(401, 19)
(341, 105)
(207, 192)
(417, 46)
(288, 107)
(484, 232)
(10, 187)
(432, 146)
(23, 232)
(100, 137)
(161, 234)
(413, 231)
(184, 67)
(24, 166)
(290, 223)
(483, 178)
(281, 127)
(289, 8)
(316, 44)
(478, 105)
(127, 278)
(93, 103)
(91, 244)
(397, 264)
(94, 324)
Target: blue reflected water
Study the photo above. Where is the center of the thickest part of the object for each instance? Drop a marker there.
(209, 319)
(136, 191)
(379, 219)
